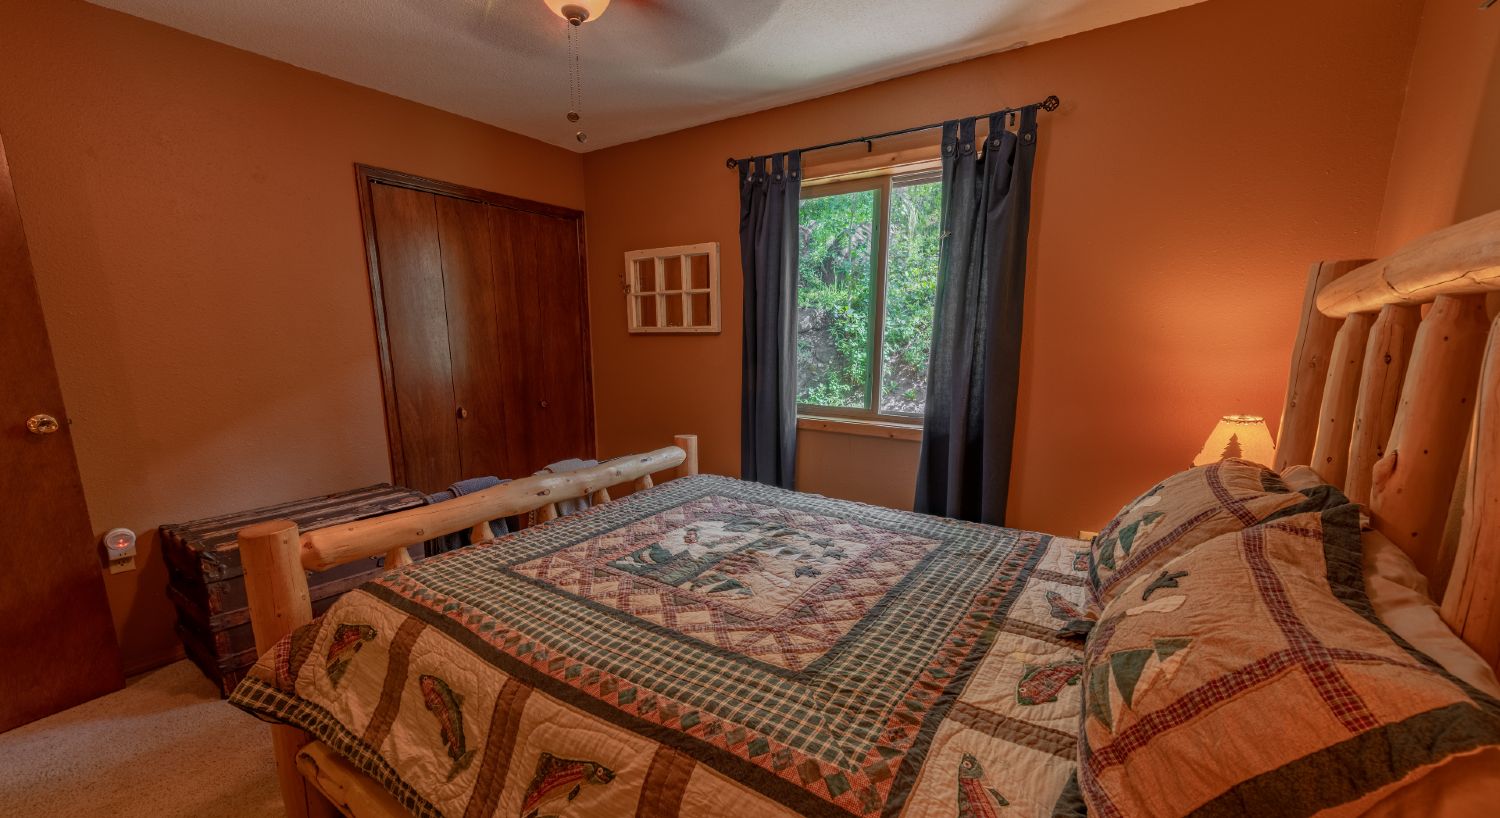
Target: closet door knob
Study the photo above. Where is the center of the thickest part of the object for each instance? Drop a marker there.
(462, 413)
(543, 404)
(42, 424)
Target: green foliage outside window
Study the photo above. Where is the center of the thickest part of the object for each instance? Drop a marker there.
(836, 306)
(916, 217)
(835, 271)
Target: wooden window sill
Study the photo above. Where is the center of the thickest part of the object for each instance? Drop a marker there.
(890, 430)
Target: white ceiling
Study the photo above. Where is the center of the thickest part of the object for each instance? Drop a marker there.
(649, 66)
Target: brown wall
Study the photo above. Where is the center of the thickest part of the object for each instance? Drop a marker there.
(1446, 165)
(192, 217)
(1202, 158)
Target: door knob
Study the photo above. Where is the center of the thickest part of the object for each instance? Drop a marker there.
(42, 424)
(462, 413)
(543, 404)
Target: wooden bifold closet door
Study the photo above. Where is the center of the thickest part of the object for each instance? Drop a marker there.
(482, 319)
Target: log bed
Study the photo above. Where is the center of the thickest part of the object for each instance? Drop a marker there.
(1397, 409)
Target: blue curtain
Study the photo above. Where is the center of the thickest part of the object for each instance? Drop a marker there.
(974, 372)
(769, 197)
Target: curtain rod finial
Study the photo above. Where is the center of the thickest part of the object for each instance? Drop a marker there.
(731, 163)
(1051, 103)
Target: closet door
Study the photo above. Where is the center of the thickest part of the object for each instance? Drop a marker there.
(478, 359)
(567, 388)
(419, 392)
(482, 321)
(536, 261)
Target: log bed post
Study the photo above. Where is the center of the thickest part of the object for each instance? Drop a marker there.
(279, 604)
(1386, 357)
(1330, 456)
(1304, 392)
(1472, 610)
(1412, 485)
(689, 446)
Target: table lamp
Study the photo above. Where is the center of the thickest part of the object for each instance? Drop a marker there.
(1242, 436)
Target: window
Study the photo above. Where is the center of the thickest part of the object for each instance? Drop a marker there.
(866, 285)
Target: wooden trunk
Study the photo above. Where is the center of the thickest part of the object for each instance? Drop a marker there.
(207, 582)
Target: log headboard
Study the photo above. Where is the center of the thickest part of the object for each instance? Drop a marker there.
(1402, 410)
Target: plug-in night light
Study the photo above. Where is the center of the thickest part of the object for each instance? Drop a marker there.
(120, 543)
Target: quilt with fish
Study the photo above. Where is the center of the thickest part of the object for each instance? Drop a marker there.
(707, 647)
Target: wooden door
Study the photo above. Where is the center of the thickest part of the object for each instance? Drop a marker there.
(482, 320)
(420, 408)
(535, 254)
(479, 360)
(57, 640)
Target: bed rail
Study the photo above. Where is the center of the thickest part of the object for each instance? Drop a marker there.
(277, 558)
(1407, 409)
(1463, 259)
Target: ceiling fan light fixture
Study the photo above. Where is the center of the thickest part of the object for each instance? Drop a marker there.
(578, 12)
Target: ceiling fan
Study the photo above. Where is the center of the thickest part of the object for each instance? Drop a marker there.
(637, 35)
(667, 16)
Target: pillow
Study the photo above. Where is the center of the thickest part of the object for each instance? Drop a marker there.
(1182, 511)
(1298, 478)
(1250, 676)
(1398, 594)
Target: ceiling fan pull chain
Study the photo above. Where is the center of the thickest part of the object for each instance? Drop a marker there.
(572, 69)
(575, 80)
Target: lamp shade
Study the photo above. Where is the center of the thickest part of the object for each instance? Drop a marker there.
(583, 10)
(1242, 436)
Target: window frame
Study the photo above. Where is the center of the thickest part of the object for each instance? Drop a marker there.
(881, 181)
(635, 293)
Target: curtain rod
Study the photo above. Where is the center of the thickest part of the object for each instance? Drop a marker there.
(1048, 104)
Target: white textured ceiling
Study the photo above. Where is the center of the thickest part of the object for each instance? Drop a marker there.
(649, 66)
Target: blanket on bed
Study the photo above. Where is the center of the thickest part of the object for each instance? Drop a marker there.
(708, 647)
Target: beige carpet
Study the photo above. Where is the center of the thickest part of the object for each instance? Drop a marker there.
(164, 747)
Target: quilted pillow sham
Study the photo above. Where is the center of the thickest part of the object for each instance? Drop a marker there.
(1250, 676)
(1182, 511)
(1398, 594)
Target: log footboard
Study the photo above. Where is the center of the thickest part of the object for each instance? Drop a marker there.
(315, 782)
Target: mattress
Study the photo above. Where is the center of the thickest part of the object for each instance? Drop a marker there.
(707, 647)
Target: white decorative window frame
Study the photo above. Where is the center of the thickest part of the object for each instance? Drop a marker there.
(655, 319)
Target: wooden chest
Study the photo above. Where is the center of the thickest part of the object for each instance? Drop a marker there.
(207, 583)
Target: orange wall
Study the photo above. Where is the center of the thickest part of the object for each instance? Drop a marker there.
(192, 220)
(1202, 158)
(1446, 165)
(193, 224)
